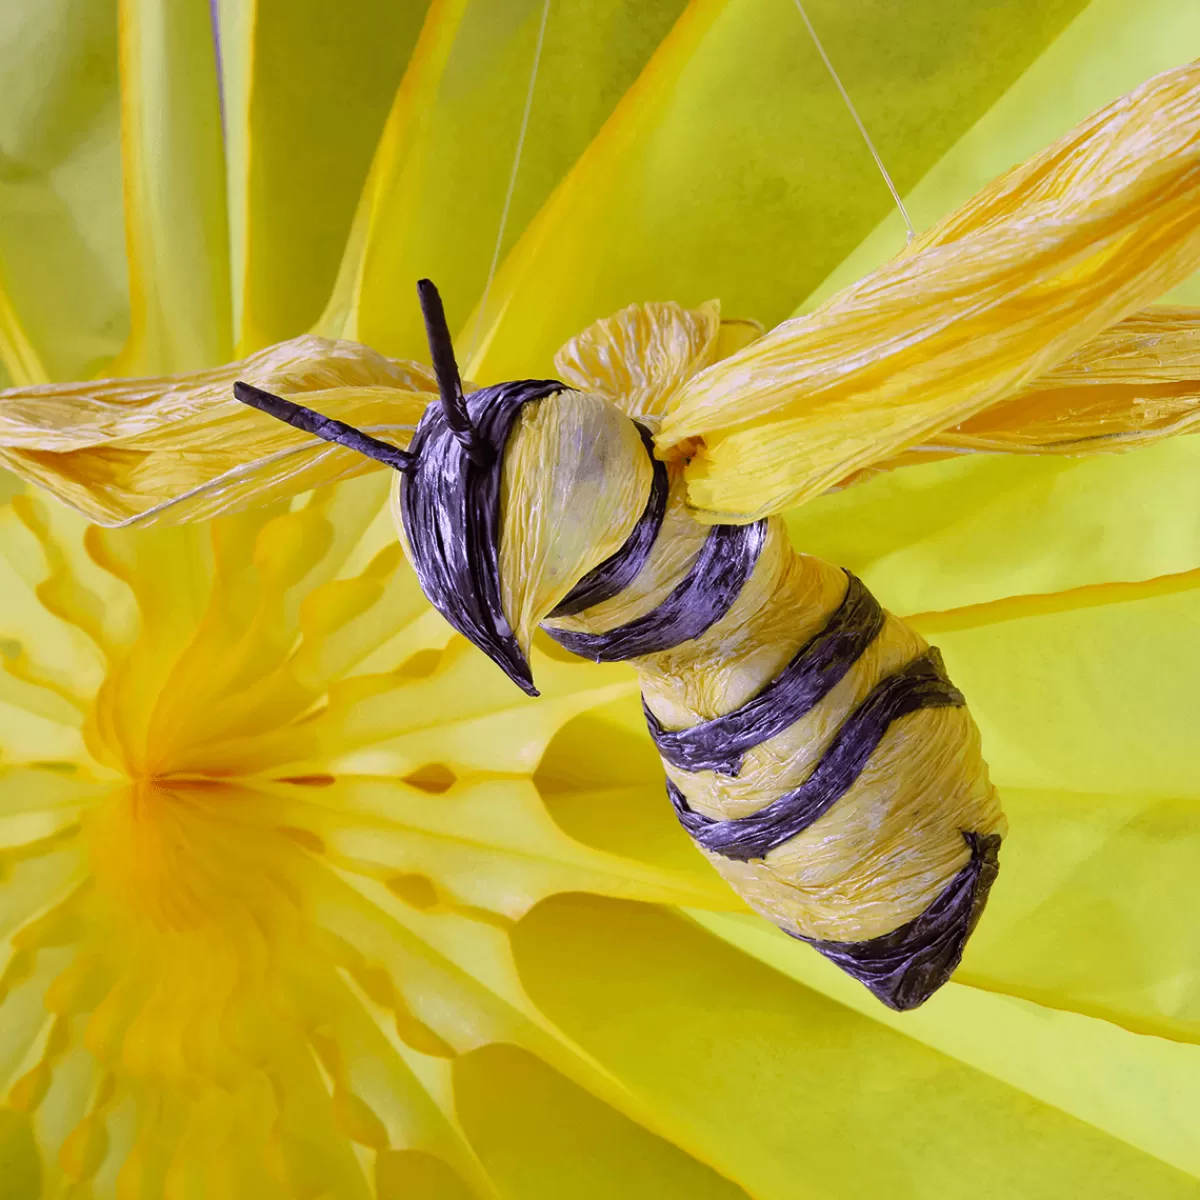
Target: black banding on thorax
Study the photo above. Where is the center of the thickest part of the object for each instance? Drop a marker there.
(921, 684)
(905, 967)
(451, 511)
(707, 592)
(817, 667)
(619, 570)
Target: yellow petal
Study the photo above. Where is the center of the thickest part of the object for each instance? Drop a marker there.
(680, 1018)
(182, 448)
(1139, 1089)
(982, 527)
(1086, 691)
(1038, 263)
(18, 1152)
(1097, 920)
(731, 167)
(546, 1140)
(400, 1174)
(601, 781)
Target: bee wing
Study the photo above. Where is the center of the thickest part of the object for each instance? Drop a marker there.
(1134, 384)
(1027, 273)
(640, 357)
(181, 448)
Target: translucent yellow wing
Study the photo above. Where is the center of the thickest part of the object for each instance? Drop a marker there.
(1134, 384)
(1033, 269)
(181, 448)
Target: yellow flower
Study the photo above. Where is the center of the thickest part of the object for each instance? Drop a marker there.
(299, 896)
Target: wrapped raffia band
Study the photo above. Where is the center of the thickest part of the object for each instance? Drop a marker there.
(704, 595)
(818, 666)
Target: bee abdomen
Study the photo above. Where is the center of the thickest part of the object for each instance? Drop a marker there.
(906, 964)
(905, 804)
(905, 967)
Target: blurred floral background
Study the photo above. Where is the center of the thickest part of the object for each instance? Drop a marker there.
(299, 897)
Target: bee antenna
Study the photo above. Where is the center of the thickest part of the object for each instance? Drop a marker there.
(441, 350)
(326, 428)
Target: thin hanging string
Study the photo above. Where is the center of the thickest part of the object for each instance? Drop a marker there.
(512, 181)
(858, 121)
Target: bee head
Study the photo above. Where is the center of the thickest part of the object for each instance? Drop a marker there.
(449, 507)
(508, 497)
(517, 493)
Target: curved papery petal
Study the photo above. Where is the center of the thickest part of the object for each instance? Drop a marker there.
(982, 527)
(64, 308)
(682, 1019)
(1038, 263)
(1139, 1090)
(732, 168)
(547, 1140)
(306, 91)
(182, 448)
(1109, 668)
(1101, 922)
(1085, 709)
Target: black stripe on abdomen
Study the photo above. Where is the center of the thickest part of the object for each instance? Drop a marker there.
(619, 570)
(905, 967)
(817, 667)
(921, 684)
(707, 592)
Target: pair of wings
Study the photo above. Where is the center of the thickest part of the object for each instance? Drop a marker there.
(1017, 325)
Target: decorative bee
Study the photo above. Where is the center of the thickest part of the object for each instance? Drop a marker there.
(814, 748)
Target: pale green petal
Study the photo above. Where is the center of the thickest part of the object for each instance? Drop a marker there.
(433, 204)
(64, 308)
(1106, 51)
(1085, 703)
(174, 178)
(1094, 912)
(1090, 691)
(985, 526)
(542, 1137)
(307, 88)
